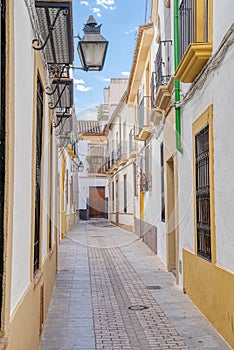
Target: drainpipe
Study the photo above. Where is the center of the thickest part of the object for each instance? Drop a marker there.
(177, 82)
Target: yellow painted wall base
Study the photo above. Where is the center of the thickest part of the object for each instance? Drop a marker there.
(24, 328)
(211, 288)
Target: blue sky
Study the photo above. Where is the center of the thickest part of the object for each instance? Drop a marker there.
(120, 20)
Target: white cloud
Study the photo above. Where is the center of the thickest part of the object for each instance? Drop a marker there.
(107, 4)
(84, 3)
(132, 30)
(78, 81)
(96, 10)
(125, 74)
(106, 79)
(82, 88)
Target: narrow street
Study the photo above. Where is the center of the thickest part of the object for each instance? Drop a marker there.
(112, 292)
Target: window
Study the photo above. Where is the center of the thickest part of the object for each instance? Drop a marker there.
(162, 183)
(113, 196)
(148, 175)
(125, 193)
(135, 178)
(39, 118)
(2, 141)
(194, 24)
(96, 150)
(203, 193)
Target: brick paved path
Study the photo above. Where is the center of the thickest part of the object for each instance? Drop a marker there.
(116, 287)
(103, 271)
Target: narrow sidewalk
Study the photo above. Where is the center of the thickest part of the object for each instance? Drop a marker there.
(112, 292)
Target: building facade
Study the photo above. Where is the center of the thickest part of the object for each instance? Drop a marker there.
(93, 184)
(205, 166)
(176, 181)
(31, 97)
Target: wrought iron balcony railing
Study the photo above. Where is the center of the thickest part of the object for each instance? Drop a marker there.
(107, 165)
(97, 169)
(187, 24)
(187, 13)
(143, 112)
(113, 157)
(131, 141)
(163, 68)
(122, 150)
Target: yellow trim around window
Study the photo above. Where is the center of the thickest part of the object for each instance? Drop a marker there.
(206, 118)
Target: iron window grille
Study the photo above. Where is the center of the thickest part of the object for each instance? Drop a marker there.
(113, 195)
(131, 140)
(96, 150)
(162, 183)
(98, 166)
(145, 171)
(162, 68)
(187, 19)
(144, 112)
(203, 194)
(36, 259)
(135, 179)
(2, 139)
(122, 150)
(107, 164)
(125, 193)
(113, 157)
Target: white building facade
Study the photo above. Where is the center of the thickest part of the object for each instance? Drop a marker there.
(93, 183)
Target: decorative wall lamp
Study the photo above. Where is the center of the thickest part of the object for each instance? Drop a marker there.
(92, 48)
(80, 166)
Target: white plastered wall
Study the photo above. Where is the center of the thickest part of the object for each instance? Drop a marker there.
(24, 72)
(217, 90)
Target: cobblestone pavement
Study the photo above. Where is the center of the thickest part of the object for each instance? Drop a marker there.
(113, 293)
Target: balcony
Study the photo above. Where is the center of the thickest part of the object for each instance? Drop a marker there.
(160, 91)
(144, 129)
(107, 165)
(195, 38)
(97, 169)
(122, 153)
(132, 144)
(114, 164)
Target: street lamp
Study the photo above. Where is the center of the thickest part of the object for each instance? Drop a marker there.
(92, 47)
(80, 166)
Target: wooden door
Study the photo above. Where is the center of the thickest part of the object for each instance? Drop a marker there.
(97, 202)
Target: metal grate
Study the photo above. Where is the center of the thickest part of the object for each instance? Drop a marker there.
(163, 63)
(203, 193)
(188, 11)
(187, 25)
(144, 112)
(38, 175)
(162, 183)
(2, 139)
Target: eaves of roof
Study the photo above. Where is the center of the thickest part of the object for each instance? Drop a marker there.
(143, 44)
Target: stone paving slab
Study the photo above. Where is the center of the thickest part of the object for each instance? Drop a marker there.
(103, 270)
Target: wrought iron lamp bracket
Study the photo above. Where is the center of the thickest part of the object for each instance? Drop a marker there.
(52, 92)
(59, 98)
(61, 118)
(51, 28)
(57, 83)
